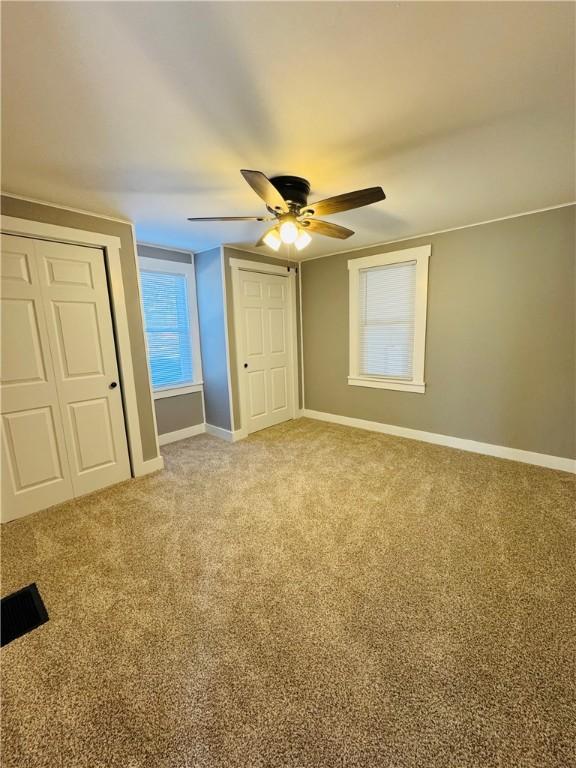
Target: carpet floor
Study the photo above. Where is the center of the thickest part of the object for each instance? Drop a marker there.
(312, 597)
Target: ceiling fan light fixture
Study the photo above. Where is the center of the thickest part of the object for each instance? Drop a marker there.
(286, 199)
(288, 231)
(302, 240)
(272, 239)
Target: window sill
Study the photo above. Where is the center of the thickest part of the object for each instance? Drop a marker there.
(158, 394)
(402, 386)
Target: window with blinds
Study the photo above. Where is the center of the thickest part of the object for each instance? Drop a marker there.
(387, 298)
(388, 304)
(168, 332)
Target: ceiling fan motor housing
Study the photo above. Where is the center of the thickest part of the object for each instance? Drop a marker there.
(293, 189)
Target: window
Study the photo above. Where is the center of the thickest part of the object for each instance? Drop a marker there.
(171, 325)
(388, 296)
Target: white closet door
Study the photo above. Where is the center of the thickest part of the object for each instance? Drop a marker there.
(266, 363)
(35, 472)
(79, 323)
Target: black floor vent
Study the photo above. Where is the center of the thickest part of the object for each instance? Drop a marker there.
(21, 612)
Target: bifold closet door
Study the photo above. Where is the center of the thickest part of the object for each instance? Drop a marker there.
(63, 345)
(79, 323)
(35, 472)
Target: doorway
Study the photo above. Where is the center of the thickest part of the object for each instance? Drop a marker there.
(265, 330)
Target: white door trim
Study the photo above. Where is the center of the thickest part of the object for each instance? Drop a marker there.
(227, 338)
(111, 248)
(257, 266)
(236, 265)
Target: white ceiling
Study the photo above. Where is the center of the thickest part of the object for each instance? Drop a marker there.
(462, 112)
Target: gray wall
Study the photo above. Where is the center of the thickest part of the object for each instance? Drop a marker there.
(181, 411)
(234, 253)
(24, 209)
(212, 319)
(500, 341)
(159, 252)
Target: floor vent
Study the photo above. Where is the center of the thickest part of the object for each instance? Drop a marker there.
(21, 612)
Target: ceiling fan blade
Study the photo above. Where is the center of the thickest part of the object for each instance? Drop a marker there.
(232, 218)
(264, 188)
(326, 228)
(344, 202)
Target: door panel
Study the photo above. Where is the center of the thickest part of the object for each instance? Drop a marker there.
(14, 266)
(254, 332)
(276, 291)
(279, 388)
(276, 318)
(79, 324)
(32, 448)
(264, 319)
(92, 431)
(35, 472)
(257, 392)
(252, 288)
(69, 272)
(79, 346)
(22, 359)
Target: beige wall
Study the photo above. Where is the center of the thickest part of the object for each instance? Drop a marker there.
(24, 209)
(500, 342)
(180, 411)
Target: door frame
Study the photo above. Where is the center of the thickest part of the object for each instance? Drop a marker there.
(238, 265)
(110, 246)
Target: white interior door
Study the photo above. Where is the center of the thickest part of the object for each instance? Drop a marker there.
(266, 361)
(35, 471)
(79, 322)
(63, 431)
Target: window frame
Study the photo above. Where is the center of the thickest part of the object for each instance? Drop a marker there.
(166, 266)
(421, 256)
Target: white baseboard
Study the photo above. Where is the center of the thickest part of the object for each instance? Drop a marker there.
(500, 451)
(181, 434)
(225, 434)
(146, 467)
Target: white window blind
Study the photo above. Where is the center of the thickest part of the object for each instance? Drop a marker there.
(387, 307)
(167, 320)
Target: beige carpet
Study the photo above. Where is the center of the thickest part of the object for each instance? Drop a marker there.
(312, 597)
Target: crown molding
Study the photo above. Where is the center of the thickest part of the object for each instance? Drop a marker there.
(439, 231)
(189, 252)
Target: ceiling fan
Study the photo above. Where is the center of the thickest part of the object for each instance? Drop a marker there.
(286, 199)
